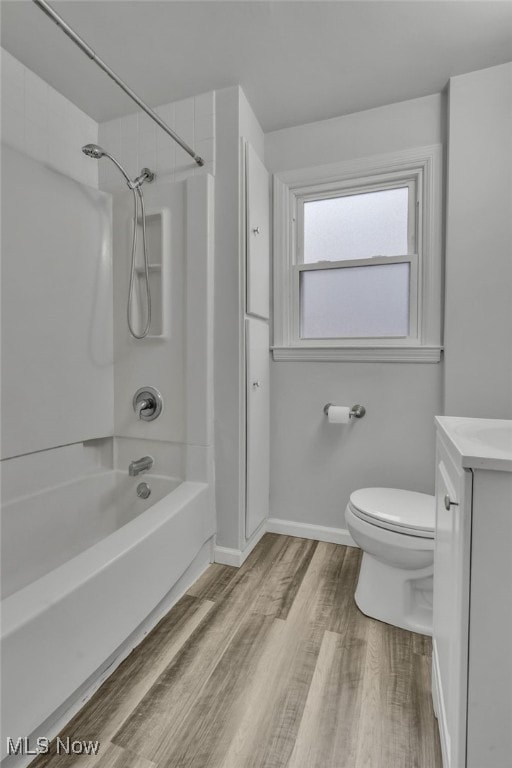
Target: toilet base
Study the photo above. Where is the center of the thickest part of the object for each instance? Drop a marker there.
(396, 595)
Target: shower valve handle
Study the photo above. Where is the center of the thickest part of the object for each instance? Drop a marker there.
(147, 403)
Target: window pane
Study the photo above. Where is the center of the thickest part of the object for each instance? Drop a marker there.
(356, 226)
(355, 301)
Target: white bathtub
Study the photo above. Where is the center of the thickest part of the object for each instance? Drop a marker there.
(83, 565)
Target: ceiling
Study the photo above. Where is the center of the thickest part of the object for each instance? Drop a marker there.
(296, 61)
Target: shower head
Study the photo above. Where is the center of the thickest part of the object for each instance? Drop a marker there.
(92, 150)
(96, 152)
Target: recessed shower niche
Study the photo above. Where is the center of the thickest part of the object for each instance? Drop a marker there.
(158, 241)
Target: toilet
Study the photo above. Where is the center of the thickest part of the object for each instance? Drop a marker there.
(395, 530)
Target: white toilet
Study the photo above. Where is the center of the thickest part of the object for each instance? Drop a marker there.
(395, 530)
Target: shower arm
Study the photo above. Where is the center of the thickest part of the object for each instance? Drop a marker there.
(54, 16)
(145, 174)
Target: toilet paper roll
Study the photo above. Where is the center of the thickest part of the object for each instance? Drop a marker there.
(338, 414)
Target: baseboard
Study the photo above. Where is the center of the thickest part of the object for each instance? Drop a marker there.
(236, 557)
(227, 556)
(308, 531)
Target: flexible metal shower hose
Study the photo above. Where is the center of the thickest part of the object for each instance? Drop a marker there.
(137, 195)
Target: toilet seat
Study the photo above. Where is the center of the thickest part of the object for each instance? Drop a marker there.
(405, 512)
(395, 530)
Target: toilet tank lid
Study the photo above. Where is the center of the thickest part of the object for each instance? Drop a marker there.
(407, 509)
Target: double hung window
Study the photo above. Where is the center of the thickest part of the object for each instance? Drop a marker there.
(357, 260)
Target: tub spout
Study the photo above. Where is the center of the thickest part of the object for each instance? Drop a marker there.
(141, 465)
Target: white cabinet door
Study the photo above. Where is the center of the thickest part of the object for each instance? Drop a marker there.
(451, 605)
(258, 235)
(490, 663)
(258, 423)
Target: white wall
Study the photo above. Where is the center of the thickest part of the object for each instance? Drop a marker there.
(137, 142)
(315, 466)
(249, 127)
(478, 358)
(56, 268)
(57, 357)
(163, 362)
(40, 122)
(413, 123)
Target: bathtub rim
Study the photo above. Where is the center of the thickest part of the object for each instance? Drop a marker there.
(85, 487)
(19, 608)
(113, 472)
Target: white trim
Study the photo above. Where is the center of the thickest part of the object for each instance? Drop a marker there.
(227, 556)
(390, 162)
(384, 354)
(308, 531)
(282, 275)
(237, 557)
(241, 363)
(316, 266)
(439, 710)
(425, 165)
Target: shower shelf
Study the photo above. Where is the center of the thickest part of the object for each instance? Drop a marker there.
(158, 237)
(151, 268)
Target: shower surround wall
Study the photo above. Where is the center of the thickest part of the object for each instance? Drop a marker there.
(40, 122)
(136, 141)
(179, 436)
(57, 356)
(50, 193)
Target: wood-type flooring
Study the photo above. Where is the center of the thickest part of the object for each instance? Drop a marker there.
(267, 666)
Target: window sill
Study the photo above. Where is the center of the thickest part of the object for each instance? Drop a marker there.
(384, 354)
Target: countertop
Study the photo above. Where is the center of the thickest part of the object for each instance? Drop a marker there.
(481, 443)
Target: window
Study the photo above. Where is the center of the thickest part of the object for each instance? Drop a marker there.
(357, 260)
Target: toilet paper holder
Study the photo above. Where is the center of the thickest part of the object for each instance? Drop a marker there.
(357, 411)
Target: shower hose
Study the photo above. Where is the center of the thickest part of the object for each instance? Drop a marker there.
(138, 197)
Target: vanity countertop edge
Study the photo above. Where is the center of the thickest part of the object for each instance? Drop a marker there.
(467, 436)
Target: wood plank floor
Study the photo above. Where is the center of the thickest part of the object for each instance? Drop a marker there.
(266, 666)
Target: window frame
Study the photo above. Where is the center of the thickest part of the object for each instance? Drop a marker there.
(420, 171)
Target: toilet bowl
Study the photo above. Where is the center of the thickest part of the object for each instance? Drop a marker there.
(395, 530)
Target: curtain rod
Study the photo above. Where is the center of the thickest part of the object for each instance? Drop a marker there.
(54, 16)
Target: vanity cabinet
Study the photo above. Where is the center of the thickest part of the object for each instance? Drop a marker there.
(472, 622)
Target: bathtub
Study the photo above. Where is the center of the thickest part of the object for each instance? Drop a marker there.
(83, 565)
